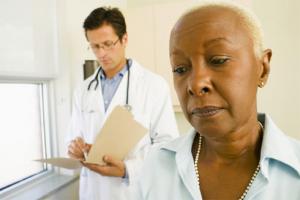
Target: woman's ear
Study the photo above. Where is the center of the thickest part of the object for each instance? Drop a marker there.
(265, 67)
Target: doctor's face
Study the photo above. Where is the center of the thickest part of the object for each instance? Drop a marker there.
(107, 46)
(215, 70)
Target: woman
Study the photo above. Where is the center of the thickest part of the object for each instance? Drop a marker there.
(219, 62)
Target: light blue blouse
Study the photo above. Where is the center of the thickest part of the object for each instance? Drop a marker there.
(169, 171)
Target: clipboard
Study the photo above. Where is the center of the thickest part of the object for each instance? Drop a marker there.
(118, 136)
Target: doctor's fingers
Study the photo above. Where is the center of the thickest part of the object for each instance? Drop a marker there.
(78, 156)
(74, 156)
(105, 170)
(74, 151)
(87, 147)
(79, 141)
(77, 145)
(109, 160)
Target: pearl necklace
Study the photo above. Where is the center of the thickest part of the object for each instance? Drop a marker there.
(197, 173)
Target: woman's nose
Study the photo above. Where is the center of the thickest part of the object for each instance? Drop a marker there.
(199, 83)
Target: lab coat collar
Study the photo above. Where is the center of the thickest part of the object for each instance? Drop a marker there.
(121, 73)
(277, 146)
(119, 97)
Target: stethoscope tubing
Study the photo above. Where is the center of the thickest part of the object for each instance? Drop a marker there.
(128, 83)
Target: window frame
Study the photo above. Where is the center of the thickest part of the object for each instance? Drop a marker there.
(47, 119)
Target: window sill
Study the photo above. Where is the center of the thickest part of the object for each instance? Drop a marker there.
(41, 188)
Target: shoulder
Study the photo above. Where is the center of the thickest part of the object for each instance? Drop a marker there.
(83, 86)
(148, 77)
(283, 150)
(163, 163)
(293, 149)
(158, 161)
(295, 146)
(171, 148)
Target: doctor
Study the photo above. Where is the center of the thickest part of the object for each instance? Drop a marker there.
(118, 81)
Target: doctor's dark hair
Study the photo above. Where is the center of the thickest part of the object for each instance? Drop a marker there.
(106, 15)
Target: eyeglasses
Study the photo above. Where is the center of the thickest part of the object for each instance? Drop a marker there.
(107, 45)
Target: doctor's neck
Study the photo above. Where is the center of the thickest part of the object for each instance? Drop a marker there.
(110, 72)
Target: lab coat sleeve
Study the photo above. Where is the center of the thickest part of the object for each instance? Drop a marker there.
(75, 124)
(163, 123)
(163, 128)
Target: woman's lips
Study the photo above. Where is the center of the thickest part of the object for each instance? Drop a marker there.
(206, 111)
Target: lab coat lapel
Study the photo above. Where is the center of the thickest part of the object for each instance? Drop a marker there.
(93, 112)
(185, 164)
(94, 100)
(100, 100)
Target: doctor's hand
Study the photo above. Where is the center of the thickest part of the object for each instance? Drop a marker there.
(113, 167)
(77, 147)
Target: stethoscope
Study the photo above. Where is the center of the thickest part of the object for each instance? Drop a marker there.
(127, 106)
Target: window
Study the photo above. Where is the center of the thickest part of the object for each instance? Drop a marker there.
(28, 69)
(22, 112)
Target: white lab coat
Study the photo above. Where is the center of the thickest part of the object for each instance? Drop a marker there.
(150, 99)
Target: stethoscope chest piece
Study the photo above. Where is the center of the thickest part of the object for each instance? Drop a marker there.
(128, 107)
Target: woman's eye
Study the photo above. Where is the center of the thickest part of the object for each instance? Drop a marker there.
(180, 70)
(218, 60)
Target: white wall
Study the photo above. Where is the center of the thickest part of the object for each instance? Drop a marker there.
(281, 96)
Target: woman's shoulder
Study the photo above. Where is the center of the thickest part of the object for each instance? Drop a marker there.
(169, 149)
(295, 146)
(281, 148)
